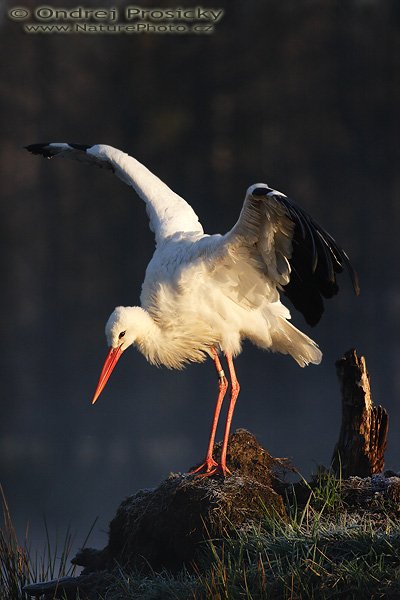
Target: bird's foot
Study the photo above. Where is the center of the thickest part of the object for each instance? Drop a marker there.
(211, 467)
(206, 467)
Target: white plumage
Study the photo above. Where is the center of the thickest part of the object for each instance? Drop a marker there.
(203, 294)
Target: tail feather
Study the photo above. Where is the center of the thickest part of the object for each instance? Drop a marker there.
(289, 340)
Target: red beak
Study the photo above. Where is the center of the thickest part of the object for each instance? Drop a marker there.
(112, 358)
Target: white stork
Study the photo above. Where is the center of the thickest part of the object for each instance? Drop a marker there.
(204, 294)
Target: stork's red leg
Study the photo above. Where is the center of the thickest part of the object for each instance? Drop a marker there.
(209, 465)
(235, 389)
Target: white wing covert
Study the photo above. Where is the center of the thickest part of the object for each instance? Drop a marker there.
(169, 214)
(297, 253)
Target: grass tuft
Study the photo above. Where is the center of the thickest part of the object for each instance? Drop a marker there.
(20, 567)
(322, 551)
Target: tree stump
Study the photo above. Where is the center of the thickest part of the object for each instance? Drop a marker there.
(363, 436)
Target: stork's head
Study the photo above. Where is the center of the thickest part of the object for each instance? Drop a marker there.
(122, 330)
(120, 327)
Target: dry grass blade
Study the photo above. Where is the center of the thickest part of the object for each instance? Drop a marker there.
(14, 558)
(19, 567)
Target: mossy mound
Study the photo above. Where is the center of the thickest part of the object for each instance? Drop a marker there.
(166, 526)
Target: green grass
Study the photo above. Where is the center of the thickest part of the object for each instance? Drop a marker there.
(322, 551)
(333, 560)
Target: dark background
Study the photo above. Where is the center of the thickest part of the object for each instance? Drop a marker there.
(304, 95)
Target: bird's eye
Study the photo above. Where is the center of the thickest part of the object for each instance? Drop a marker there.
(121, 335)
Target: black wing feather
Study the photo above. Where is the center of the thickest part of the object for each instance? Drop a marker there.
(316, 260)
(69, 150)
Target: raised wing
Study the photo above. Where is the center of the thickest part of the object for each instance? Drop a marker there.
(169, 214)
(298, 254)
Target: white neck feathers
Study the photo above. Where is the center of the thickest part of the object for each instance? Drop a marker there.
(161, 346)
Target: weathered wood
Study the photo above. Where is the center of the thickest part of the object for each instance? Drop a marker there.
(362, 441)
(62, 585)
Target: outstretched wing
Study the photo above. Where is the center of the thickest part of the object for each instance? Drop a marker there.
(298, 254)
(169, 214)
